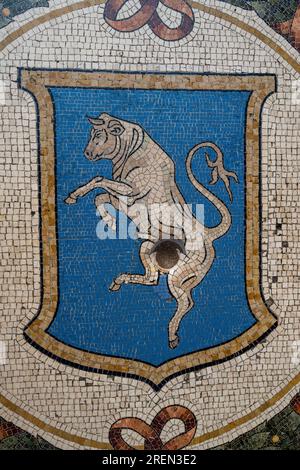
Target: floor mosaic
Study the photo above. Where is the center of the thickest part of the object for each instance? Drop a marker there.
(281, 432)
(149, 227)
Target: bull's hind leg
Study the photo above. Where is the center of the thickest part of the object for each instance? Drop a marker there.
(187, 275)
(151, 273)
(184, 305)
(181, 282)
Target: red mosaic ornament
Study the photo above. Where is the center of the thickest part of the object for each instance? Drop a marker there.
(8, 429)
(147, 14)
(151, 433)
(291, 29)
(295, 403)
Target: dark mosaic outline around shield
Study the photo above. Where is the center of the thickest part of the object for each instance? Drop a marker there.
(37, 82)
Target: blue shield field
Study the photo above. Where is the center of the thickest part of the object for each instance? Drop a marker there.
(133, 322)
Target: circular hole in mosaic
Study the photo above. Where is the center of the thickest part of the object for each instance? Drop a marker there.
(167, 254)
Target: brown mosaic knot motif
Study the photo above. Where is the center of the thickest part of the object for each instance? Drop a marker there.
(151, 433)
(8, 429)
(295, 403)
(147, 14)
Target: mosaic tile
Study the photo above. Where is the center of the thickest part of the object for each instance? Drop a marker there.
(149, 224)
(279, 433)
(279, 14)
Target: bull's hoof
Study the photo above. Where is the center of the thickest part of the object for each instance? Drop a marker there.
(70, 200)
(174, 343)
(114, 287)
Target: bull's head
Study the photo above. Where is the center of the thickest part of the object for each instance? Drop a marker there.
(111, 137)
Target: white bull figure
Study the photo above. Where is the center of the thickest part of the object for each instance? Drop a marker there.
(143, 173)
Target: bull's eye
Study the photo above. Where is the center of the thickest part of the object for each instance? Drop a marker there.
(117, 130)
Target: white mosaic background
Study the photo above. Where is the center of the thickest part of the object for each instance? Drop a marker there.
(218, 395)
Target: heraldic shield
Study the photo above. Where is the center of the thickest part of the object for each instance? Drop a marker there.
(132, 302)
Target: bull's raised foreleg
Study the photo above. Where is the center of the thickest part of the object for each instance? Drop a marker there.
(150, 277)
(115, 188)
(107, 218)
(84, 190)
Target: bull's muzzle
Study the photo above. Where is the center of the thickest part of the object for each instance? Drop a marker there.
(88, 154)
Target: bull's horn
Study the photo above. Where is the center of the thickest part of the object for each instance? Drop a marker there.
(95, 121)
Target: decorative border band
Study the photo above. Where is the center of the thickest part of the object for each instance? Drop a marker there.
(221, 15)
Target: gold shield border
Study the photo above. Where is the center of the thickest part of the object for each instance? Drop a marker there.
(37, 82)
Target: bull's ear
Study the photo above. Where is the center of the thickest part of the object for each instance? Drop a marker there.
(95, 121)
(137, 139)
